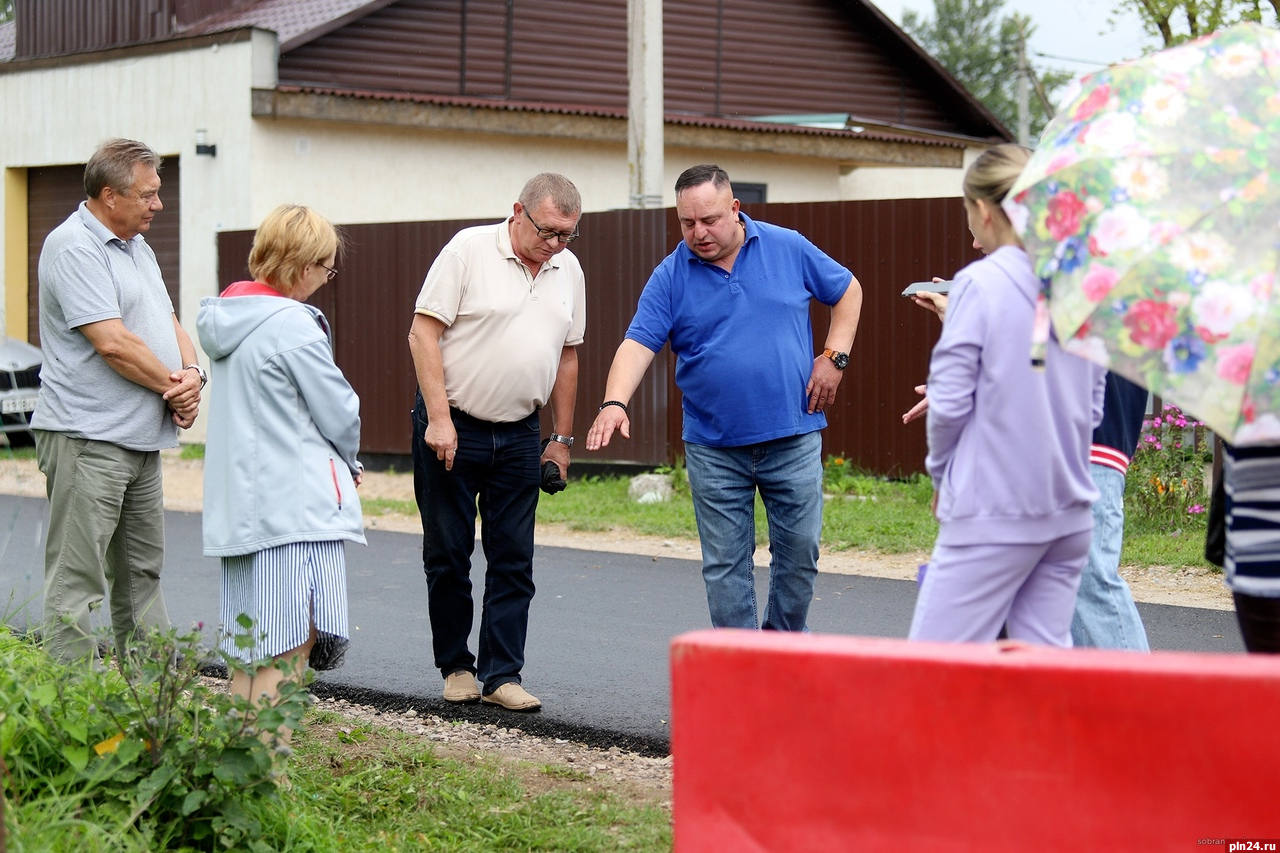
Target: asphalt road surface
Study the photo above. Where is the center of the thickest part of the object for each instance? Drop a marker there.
(600, 624)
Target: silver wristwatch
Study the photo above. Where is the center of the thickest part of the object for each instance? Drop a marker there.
(566, 440)
(204, 377)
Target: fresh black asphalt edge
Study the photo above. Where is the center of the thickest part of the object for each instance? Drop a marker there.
(534, 723)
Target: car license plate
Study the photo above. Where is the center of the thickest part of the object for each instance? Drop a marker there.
(16, 405)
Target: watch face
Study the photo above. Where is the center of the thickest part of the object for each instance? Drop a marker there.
(841, 360)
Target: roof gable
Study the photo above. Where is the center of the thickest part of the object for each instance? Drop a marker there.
(733, 59)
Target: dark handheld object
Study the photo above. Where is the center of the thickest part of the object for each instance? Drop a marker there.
(551, 482)
(931, 286)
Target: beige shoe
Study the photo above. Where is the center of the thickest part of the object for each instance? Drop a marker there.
(513, 697)
(460, 687)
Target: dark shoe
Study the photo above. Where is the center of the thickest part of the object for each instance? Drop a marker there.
(461, 688)
(513, 697)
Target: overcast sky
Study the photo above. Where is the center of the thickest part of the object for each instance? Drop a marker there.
(1076, 29)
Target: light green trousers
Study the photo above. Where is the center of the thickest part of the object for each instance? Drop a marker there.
(106, 538)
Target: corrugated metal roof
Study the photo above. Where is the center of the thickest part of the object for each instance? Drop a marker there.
(922, 137)
(294, 22)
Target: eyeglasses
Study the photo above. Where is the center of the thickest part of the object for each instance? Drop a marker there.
(564, 237)
(332, 272)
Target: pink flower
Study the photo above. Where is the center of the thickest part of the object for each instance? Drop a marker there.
(1065, 211)
(1151, 324)
(1195, 509)
(1098, 281)
(1097, 100)
(1235, 363)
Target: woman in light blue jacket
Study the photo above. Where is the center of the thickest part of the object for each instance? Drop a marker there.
(1008, 444)
(280, 459)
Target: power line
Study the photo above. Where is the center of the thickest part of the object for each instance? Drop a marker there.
(1093, 62)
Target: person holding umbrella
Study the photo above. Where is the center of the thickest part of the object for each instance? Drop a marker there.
(1149, 210)
(1008, 444)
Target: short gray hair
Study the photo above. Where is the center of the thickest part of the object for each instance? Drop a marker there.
(112, 165)
(563, 194)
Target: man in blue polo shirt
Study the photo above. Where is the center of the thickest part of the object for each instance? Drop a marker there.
(733, 302)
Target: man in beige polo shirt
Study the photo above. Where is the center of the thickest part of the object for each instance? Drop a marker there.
(494, 339)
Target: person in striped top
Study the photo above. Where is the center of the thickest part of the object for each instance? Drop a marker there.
(1252, 564)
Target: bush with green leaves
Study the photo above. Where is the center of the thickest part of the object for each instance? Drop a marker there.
(141, 756)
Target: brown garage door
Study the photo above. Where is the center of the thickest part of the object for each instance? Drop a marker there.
(53, 192)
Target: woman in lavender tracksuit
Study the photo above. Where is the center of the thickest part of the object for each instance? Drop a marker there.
(1008, 445)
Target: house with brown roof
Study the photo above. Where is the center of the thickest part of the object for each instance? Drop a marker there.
(396, 110)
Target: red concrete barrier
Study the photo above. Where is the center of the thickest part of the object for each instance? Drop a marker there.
(827, 743)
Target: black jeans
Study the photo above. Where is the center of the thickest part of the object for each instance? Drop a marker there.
(496, 464)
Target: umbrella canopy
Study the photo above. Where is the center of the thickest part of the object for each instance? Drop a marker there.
(1151, 210)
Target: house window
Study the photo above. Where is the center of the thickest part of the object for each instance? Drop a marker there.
(751, 193)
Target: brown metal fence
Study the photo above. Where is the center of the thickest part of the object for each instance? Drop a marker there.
(887, 245)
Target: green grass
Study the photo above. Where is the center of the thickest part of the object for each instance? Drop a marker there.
(9, 452)
(877, 515)
(355, 787)
(385, 791)
(597, 504)
(192, 451)
(1176, 548)
(388, 506)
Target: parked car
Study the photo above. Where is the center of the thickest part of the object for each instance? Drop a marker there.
(19, 386)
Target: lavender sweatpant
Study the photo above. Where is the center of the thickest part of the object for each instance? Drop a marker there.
(969, 591)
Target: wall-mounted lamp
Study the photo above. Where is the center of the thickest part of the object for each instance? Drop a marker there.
(202, 145)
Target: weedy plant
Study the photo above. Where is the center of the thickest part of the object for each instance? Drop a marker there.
(142, 755)
(1166, 488)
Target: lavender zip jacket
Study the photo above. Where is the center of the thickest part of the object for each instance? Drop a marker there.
(1008, 445)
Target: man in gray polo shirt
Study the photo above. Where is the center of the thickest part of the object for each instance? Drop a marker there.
(119, 378)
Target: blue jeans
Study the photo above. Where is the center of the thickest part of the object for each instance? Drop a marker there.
(1106, 616)
(724, 480)
(496, 463)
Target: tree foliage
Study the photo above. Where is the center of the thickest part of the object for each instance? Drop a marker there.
(1178, 21)
(978, 44)
(6, 10)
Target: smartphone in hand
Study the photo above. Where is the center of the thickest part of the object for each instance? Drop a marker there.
(943, 287)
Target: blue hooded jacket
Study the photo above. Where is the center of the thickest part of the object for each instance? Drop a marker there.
(284, 427)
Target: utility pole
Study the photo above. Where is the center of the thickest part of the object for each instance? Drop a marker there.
(644, 103)
(1024, 87)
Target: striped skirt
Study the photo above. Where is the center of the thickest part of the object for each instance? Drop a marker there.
(1252, 564)
(282, 591)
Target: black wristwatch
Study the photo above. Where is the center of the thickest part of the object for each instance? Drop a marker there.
(204, 377)
(566, 440)
(839, 359)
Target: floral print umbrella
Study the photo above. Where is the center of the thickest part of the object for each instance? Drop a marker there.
(1151, 210)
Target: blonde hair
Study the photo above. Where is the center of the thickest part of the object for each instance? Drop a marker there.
(993, 174)
(288, 240)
